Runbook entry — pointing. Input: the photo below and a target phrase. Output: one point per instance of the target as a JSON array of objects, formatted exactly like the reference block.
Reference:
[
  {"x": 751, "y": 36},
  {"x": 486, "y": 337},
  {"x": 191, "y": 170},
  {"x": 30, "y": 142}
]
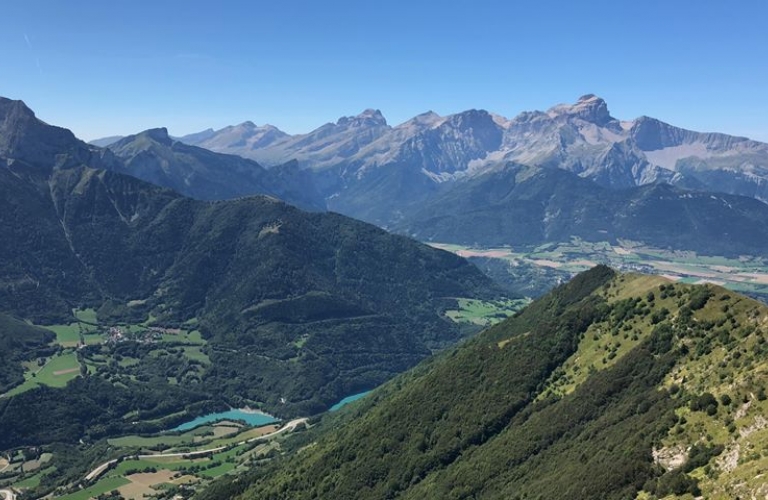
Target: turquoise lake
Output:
[
  {"x": 348, "y": 400},
  {"x": 251, "y": 418}
]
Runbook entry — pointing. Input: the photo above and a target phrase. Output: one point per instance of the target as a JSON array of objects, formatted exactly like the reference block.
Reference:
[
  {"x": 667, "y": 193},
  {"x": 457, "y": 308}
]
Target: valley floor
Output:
[{"x": 745, "y": 274}]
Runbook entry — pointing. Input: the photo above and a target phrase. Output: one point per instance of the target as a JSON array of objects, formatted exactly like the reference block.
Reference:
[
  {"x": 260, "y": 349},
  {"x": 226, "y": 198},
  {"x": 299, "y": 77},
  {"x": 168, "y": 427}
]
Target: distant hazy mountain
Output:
[
  {"x": 196, "y": 172},
  {"x": 582, "y": 138},
  {"x": 327, "y": 146},
  {"x": 105, "y": 141},
  {"x": 523, "y": 205},
  {"x": 236, "y": 139}
]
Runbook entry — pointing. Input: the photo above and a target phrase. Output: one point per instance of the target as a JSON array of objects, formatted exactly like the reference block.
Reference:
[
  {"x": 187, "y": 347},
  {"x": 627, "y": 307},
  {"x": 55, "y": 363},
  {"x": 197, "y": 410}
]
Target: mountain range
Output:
[
  {"x": 478, "y": 178},
  {"x": 611, "y": 386},
  {"x": 298, "y": 309},
  {"x": 582, "y": 138},
  {"x": 199, "y": 173}
]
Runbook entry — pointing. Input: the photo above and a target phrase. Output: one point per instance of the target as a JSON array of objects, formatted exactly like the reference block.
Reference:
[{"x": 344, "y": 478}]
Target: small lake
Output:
[
  {"x": 250, "y": 417},
  {"x": 348, "y": 400}
]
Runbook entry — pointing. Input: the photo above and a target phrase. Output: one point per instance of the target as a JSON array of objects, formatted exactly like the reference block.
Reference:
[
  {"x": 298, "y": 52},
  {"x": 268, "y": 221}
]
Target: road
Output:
[
  {"x": 8, "y": 494},
  {"x": 290, "y": 426},
  {"x": 183, "y": 454},
  {"x": 101, "y": 469}
]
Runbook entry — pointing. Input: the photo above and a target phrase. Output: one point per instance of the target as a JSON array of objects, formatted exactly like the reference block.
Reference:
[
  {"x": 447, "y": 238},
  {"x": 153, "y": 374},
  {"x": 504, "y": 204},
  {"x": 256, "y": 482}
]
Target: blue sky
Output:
[{"x": 102, "y": 67}]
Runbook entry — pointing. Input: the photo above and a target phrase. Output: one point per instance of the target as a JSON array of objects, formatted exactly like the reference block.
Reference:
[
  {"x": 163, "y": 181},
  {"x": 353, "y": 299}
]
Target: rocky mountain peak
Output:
[
  {"x": 471, "y": 118},
  {"x": 12, "y": 109},
  {"x": 423, "y": 121},
  {"x": 368, "y": 118},
  {"x": 22, "y": 135},
  {"x": 249, "y": 129},
  {"x": 159, "y": 134},
  {"x": 427, "y": 117},
  {"x": 589, "y": 108},
  {"x": 15, "y": 119}
]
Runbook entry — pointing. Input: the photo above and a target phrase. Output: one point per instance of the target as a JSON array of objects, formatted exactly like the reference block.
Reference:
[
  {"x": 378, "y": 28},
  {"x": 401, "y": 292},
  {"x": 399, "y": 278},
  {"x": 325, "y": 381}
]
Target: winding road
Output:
[{"x": 101, "y": 469}]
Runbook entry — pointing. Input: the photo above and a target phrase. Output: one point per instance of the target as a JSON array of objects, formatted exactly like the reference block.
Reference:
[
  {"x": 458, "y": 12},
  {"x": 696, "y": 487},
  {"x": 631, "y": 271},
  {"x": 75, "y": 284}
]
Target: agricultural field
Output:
[
  {"x": 86, "y": 316},
  {"x": 119, "y": 353},
  {"x": 205, "y": 434},
  {"x": 75, "y": 334},
  {"x": 154, "y": 465},
  {"x": 141, "y": 476},
  {"x": 55, "y": 371},
  {"x": 116, "y": 351},
  {"x": 485, "y": 313},
  {"x": 746, "y": 274},
  {"x": 105, "y": 486}
]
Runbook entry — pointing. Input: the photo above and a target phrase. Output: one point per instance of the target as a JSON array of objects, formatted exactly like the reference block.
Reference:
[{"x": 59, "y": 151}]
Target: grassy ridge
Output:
[{"x": 631, "y": 386}]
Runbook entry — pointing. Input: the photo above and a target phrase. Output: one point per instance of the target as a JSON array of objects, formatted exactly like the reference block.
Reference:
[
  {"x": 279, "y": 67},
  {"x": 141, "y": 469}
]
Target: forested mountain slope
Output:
[
  {"x": 610, "y": 386},
  {"x": 297, "y": 309},
  {"x": 520, "y": 205}
]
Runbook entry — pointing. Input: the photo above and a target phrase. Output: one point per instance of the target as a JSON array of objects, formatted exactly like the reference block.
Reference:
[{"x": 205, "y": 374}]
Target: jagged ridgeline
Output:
[
  {"x": 398, "y": 175},
  {"x": 296, "y": 310},
  {"x": 612, "y": 386}
]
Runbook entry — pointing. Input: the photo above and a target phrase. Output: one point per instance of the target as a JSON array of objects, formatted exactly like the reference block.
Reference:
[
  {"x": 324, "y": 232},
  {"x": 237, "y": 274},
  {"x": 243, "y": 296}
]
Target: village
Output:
[{"x": 116, "y": 335}]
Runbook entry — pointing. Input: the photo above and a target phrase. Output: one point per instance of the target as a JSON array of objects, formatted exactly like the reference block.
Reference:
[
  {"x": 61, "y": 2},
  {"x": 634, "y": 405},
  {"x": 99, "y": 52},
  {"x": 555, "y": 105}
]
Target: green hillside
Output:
[
  {"x": 612, "y": 386},
  {"x": 295, "y": 310}
]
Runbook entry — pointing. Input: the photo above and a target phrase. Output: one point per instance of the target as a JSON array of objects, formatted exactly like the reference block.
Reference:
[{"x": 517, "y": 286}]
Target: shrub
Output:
[{"x": 704, "y": 402}]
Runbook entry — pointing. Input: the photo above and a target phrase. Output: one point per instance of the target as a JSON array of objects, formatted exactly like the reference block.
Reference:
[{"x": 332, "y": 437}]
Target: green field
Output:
[
  {"x": 86, "y": 315},
  {"x": 196, "y": 354},
  {"x": 56, "y": 372},
  {"x": 205, "y": 468},
  {"x": 219, "y": 470},
  {"x": 484, "y": 313},
  {"x": 158, "y": 349},
  {"x": 93, "y": 338},
  {"x": 66, "y": 335},
  {"x": 186, "y": 337},
  {"x": 69, "y": 335},
  {"x": 30, "y": 482},
  {"x": 179, "y": 463},
  {"x": 195, "y": 437},
  {"x": 190, "y": 437},
  {"x": 141, "y": 464},
  {"x": 104, "y": 486}
]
